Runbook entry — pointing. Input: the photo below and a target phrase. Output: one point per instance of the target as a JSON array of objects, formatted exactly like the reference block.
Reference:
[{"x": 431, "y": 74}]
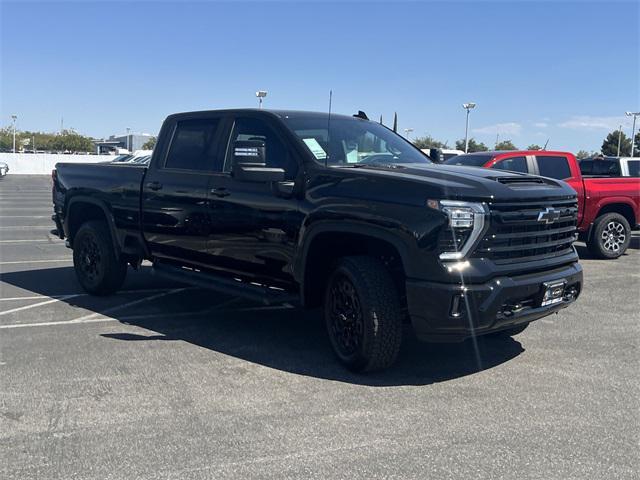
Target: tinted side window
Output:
[
  {"x": 193, "y": 146},
  {"x": 586, "y": 167},
  {"x": 276, "y": 152},
  {"x": 469, "y": 160},
  {"x": 634, "y": 168},
  {"x": 513, "y": 164},
  {"x": 553, "y": 167},
  {"x": 608, "y": 168}
]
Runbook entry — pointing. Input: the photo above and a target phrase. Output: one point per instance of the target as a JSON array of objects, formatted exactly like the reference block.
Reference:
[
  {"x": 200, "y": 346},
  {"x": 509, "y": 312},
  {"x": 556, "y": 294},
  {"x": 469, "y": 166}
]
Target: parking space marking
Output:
[
  {"x": 34, "y": 240},
  {"x": 39, "y": 304},
  {"x": 121, "y": 292},
  {"x": 96, "y": 316},
  {"x": 18, "y": 262},
  {"x": 28, "y": 227},
  {"x": 26, "y": 216}
]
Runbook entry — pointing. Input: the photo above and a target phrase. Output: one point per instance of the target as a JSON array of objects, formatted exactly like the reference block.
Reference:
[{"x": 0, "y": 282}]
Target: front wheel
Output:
[
  {"x": 97, "y": 267},
  {"x": 362, "y": 314},
  {"x": 611, "y": 236}
]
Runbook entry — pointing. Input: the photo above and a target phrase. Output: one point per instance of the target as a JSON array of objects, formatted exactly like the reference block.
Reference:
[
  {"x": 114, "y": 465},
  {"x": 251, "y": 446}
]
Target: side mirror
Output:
[{"x": 249, "y": 163}]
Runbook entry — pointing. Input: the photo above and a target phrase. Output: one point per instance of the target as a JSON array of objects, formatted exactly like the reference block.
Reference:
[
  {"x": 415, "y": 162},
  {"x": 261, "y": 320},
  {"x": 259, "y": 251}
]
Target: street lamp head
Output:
[
  {"x": 468, "y": 106},
  {"x": 261, "y": 93},
  {"x": 14, "y": 116},
  {"x": 632, "y": 114}
]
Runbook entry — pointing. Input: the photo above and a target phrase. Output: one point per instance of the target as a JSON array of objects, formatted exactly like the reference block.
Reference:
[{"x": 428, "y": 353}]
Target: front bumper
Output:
[{"x": 453, "y": 312}]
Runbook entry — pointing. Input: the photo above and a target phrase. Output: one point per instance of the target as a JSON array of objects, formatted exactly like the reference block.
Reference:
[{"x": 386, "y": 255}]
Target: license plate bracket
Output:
[{"x": 553, "y": 292}]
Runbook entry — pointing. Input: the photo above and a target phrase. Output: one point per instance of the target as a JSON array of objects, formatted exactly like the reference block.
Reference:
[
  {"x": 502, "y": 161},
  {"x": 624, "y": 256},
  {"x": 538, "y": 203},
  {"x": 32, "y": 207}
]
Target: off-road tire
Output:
[
  {"x": 610, "y": 236},
  {"x": 94, "y": 259},
  {"x": 378, "y": 304}
]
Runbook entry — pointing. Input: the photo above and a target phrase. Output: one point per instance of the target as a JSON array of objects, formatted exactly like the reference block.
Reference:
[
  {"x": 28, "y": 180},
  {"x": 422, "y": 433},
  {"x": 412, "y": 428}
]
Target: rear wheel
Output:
[
  {"x": 611, "y": 236},
  {"x": 94, "y": 259},
  {"x": 509, "y": 332},
  {"x": 362, "y": 314}
]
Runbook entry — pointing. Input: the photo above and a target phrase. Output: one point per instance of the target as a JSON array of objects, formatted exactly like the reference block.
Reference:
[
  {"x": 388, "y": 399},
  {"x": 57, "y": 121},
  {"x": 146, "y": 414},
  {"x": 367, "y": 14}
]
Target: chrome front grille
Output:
[{"x": 519, "y": 232}]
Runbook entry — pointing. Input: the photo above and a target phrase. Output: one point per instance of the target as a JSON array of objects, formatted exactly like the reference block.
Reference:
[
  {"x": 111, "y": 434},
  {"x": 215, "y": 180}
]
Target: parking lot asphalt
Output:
[{"x": 166, "y": 381}]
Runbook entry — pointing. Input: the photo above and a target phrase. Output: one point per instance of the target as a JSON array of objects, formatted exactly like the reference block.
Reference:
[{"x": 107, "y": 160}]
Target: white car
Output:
[
  {"x": 630, "y": 166},
  {"x": 4, "y": 169}
]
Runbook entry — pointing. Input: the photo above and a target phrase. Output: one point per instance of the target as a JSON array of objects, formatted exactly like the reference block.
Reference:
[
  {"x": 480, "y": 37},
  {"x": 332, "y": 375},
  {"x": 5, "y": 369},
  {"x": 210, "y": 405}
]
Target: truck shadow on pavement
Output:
[{"x": 286, "y": 339}]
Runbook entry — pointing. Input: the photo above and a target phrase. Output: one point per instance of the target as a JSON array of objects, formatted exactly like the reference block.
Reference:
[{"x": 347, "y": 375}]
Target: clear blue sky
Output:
[{"x": 537, "y": 70}]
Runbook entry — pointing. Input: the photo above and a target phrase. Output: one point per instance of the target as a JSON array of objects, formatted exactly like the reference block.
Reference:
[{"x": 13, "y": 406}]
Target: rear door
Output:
[{"x": 175, "y": 212}]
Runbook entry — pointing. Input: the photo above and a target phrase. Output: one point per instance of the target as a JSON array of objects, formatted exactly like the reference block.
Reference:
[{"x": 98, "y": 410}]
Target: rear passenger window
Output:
[
  {"x": 553, "y": 167},
  {"x": 606, "y": 168},
  {"x": 513, "y": 164},
  {"x": 586, "y": 167},
  {"x": 193, "y": 146},
  {"x": 634, "y": 168}
]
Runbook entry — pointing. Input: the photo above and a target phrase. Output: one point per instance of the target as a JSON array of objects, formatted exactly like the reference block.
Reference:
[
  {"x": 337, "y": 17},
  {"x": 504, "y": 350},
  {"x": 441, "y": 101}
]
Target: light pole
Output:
[
  {"x": 407, "y": 132},
  {"x": 128, "y": 148},
  {"x": 14, "y": 117},
  {"x": 468, "y": 107},
  {"x": 261, "y": 94},
  {"x": 633, "y": 129},
  {"x": 619, "y": 139}
]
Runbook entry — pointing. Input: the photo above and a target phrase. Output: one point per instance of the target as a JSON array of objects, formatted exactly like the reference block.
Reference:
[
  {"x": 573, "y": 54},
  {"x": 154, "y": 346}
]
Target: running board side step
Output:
[{"x": 228, "y": 286}]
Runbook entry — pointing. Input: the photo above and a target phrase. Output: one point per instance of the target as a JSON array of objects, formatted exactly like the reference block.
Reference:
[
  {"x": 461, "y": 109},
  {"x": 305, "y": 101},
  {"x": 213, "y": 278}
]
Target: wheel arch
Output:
[
  {"x": 81, "y": 209},
  {"x": 326, "y": 243}
]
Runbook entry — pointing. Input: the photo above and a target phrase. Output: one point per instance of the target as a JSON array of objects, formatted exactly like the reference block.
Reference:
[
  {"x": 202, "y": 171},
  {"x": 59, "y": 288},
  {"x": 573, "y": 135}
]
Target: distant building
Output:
[{"x": 131, "y": 142}]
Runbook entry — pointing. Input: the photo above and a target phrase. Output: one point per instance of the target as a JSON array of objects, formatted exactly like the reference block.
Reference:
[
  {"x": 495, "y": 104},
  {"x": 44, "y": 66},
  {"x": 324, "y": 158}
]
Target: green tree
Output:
[
  {"x": 428, "y": 142},
  {"x": 505, "y": 145},
  {"x": 149, "y": 144},
  {"x": 636, "y": 146},
  {"x": 534, "y": 146},
  {"x": 585, "y": 154},
  {"x": 473, "y": 146},
  {"x": 610, "y": 144}
]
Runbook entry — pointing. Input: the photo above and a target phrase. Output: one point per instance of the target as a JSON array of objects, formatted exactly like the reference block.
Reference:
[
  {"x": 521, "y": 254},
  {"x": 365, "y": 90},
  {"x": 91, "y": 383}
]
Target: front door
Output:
[
  {"x": 255, "y": 224},
  {"x": 175, "y": 209}
]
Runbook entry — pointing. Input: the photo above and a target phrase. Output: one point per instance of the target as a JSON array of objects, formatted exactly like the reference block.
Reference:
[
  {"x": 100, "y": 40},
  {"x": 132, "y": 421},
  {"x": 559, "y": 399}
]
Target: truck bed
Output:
[{"x": 116, "y": 187}]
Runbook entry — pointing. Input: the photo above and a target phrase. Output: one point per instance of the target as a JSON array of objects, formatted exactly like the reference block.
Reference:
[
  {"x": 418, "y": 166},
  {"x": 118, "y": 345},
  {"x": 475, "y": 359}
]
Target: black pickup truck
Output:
[{"x": 327, "y": 210}]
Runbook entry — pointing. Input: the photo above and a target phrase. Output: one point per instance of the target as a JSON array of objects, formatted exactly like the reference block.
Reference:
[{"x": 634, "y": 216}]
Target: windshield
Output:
[
  {"x": 468, "y": 160},
  {"x": 353, "y": 142}
]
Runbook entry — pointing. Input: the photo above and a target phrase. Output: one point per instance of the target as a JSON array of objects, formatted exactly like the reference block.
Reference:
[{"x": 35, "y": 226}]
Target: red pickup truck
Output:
[{"x": 608, "y": 207}]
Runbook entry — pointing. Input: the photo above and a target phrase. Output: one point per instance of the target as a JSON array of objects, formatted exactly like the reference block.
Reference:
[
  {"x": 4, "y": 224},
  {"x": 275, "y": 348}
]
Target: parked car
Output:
[
  {"x": 4, "y": 169},
  {"x": 609, "y": 207},
  {"x": 274, "y": 206},
  {"x": 610, "y": 166}
]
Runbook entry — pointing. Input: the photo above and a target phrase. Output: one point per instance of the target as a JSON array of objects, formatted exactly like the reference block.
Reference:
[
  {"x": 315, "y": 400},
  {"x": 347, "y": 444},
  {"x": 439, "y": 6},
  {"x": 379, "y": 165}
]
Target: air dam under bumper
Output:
[{"x": 451, "y": 312}]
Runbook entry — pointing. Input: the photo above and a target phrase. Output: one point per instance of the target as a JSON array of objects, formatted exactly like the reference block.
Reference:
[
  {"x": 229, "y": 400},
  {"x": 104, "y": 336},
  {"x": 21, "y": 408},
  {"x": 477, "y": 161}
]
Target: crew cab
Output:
[
  {"x": 608, "y": 206},
  {"x": 333, "y": 211}
]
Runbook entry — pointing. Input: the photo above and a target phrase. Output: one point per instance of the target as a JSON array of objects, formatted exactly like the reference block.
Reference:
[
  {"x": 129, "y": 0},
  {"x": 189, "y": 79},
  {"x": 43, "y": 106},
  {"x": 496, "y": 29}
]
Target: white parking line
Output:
[
  {"x": 20, "y": 262},
  {"x": 27, "y": 307},
  {"x": 26, "y": 216},
  {"x": 28, "y": 227},
  {"x": 121, "y": 292},
  {"x": 94, "y": 317},
  {"x": 35, "y": 240}
]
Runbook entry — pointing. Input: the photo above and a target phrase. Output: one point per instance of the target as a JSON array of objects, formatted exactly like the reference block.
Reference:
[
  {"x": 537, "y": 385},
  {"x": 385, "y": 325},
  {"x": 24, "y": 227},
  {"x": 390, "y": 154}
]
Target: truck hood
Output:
[{"x": 474, "y": 183}]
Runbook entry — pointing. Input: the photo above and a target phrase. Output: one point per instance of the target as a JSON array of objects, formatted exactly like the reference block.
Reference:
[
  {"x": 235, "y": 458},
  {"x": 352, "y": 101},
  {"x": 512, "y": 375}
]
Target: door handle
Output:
[
  {"x": 154, "y": 185},
  {"x": 220, "y": 192}
]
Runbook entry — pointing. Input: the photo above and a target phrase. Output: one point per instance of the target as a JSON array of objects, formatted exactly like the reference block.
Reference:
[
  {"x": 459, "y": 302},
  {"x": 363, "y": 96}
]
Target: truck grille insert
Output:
[{"x": 524, "y": 232}]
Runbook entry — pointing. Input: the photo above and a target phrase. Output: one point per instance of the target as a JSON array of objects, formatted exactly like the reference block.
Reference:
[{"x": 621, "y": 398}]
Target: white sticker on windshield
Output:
[{"x": 315, "y": 148}]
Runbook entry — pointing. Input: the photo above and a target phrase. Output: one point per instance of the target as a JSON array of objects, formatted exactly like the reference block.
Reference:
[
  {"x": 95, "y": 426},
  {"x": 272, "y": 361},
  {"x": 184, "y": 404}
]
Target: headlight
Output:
[{"x": 466, "y": 225}]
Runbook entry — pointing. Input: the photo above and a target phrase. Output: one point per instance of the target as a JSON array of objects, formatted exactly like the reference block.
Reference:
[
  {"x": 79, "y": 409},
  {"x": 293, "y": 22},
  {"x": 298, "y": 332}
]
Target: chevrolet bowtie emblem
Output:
[{"x": 549, "y": 215}]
